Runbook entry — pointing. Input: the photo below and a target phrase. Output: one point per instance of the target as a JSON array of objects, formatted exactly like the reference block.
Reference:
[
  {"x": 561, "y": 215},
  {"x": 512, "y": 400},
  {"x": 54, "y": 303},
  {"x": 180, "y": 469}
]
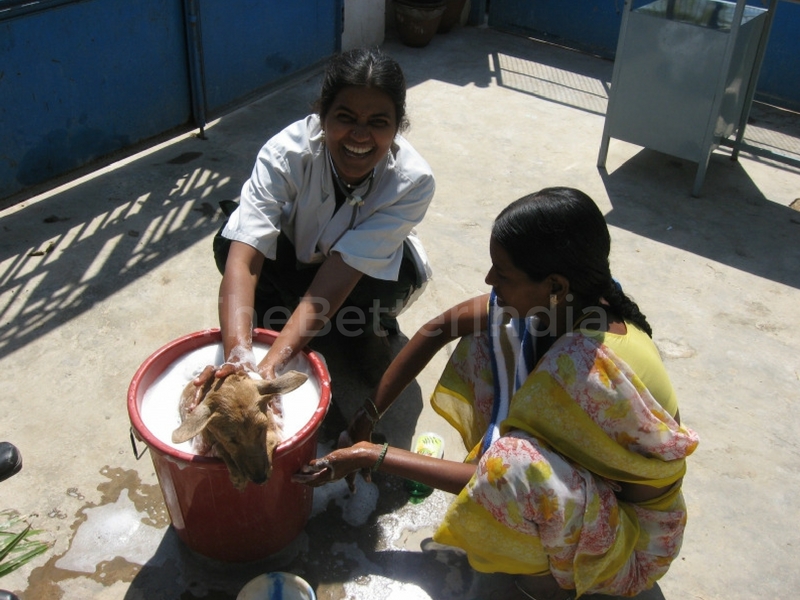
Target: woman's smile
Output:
[{"x": 358, "y": 151}]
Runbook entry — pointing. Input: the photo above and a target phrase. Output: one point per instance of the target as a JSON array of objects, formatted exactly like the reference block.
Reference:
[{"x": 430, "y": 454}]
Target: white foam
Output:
[
  {"x": 159, "y": 409},
  {"x": 111, "y": 531}
]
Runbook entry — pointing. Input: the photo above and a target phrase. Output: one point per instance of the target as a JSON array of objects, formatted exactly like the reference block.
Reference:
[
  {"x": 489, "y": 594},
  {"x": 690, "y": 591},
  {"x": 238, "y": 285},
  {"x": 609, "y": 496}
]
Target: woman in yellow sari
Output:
[{"x": 574, "y": 477}]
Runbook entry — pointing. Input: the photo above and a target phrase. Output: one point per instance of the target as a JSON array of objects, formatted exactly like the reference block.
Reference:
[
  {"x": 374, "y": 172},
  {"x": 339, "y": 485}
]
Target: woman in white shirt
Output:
[{"x": 325, "y": 222}]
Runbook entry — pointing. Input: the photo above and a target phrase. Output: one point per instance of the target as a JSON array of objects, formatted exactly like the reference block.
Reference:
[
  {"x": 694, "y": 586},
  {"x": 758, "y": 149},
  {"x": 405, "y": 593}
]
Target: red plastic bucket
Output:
[{"x": 211, "y": 516}]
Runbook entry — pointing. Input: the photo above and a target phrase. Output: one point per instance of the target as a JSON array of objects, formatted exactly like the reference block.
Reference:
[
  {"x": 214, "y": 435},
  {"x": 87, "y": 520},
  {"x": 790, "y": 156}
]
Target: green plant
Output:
[{"x": 17, "y": 548}]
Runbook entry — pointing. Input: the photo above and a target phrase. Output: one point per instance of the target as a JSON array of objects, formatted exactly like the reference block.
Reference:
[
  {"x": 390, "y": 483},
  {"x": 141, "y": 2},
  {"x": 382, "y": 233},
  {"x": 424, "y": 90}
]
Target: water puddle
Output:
[
  {"x": 111, "y": 541},
  {"x": 111, "y": 531}
]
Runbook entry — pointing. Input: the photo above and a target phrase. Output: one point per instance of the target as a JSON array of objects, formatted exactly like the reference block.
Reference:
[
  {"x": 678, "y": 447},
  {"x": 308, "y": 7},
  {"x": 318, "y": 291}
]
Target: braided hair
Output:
[{"x": 561, "y": 230}]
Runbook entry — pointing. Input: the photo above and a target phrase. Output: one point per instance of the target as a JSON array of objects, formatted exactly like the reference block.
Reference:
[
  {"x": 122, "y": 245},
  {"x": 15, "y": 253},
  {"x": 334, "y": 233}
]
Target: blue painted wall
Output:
[
  {"x": 78, "y": 82},
  {"x": 779, "y": 82},
  {"x": 263, "y": 41},
  {"x": 593, "y": 26},
  {"x": 81, "y": 80}
]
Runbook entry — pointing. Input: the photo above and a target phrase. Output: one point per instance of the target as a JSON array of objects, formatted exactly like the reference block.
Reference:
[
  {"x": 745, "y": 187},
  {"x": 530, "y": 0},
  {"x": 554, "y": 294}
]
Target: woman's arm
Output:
[
  {"x": 236, "y": 298},
  {"x": 464, "y": 318},
  {"x": 446, "y": 475},
  {"x": 330, "y": 287},
  {"x": 236, "y": 301},
  {"x": 467, "y": 317}
]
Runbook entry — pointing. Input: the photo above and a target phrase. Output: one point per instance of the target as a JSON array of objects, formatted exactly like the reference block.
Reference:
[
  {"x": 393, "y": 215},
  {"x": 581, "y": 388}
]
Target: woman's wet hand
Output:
[
  {"x": 202, "y": 382},
  {"x": 359, "y": 430},
  {"x": 316, "y": 473},
  {"x": 338, "y": 464},
  {"x": 233, "y": 365},
  {"x": 267, "y": 371}
]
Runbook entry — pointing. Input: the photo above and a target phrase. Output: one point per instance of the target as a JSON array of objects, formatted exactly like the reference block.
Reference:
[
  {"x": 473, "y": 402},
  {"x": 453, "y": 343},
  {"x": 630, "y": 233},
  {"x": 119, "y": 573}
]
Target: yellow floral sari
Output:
[{"x": 543, "y": 497}]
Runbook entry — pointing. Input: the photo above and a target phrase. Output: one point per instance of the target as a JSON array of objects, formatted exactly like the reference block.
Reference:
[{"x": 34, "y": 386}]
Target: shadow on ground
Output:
[{"x": 732, "y": 223}]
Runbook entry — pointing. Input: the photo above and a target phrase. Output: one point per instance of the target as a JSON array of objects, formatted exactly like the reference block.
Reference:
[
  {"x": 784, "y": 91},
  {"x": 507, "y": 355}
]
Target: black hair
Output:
[
  {"x": 364, "y": 67},
  {"x": 560, "y": 230}
]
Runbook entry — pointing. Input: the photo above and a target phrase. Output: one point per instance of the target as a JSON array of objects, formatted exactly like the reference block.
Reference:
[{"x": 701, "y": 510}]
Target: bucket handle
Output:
[{"x": 136, "y": 452}]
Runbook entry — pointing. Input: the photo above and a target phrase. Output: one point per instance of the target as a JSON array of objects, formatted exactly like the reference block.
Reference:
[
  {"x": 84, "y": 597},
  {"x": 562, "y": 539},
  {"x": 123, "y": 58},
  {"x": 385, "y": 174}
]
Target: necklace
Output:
[{"x": 348, "y": 189}]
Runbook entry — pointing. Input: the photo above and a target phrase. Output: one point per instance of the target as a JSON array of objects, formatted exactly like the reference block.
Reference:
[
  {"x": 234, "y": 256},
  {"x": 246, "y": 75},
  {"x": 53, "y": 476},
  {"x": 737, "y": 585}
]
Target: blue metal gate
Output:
[{"x": 82, "y": 80}]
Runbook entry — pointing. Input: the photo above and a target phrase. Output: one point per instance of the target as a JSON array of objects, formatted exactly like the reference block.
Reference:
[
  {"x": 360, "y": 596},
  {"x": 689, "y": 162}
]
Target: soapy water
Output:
[
  {"x": 110, "y": 532},
  {"x": 356, "y": 507},
  {"x": 159, "y": 410}
]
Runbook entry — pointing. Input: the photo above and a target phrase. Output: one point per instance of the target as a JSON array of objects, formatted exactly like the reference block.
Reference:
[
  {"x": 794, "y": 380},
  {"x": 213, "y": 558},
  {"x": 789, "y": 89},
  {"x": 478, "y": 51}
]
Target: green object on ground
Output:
[
  {"x": 16, "y": 549},
  {"x": 428, "y": 444}
]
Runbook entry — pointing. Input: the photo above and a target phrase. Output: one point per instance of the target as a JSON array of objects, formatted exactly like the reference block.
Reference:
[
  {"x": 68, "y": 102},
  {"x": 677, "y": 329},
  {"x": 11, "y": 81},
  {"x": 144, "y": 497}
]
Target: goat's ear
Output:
[
  {"x": 193, "y": 424},
  {"x": 287, "y": 382}
]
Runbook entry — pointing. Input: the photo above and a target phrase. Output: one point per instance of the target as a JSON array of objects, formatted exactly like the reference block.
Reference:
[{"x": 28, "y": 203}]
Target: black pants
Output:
[{"x": 372, "y": 305}]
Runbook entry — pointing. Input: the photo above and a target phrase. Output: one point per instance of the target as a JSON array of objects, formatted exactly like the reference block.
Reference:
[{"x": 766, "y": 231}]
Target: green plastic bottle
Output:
[{"x": 429, "y": 444}]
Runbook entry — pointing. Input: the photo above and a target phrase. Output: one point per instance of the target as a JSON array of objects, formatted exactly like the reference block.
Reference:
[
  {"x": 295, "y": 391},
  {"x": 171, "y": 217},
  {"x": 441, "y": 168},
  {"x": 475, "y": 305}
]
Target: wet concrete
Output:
[{"x": 98, "y": 273}]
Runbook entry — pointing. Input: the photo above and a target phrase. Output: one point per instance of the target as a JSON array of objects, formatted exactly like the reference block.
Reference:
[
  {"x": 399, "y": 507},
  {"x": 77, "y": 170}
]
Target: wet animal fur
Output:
[{"x": 239, "y": 420}]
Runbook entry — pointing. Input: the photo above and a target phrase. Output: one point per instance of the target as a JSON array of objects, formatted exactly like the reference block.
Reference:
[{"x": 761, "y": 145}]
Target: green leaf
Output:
[
  {"x": 16, "y": 549},
  {"x": 9, "y": 566},
  {"x": 5, "y": 550}
]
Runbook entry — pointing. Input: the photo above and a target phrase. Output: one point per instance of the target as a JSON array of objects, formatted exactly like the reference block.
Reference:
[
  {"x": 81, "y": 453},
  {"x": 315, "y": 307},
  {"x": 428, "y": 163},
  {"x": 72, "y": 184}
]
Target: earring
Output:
[{"x": 553, "y": 301}]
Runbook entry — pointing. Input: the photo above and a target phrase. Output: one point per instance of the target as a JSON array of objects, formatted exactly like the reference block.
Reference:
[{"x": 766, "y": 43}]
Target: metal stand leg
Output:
[
  {"x": 700, "y": 176},
  {"x": 710, "y": 139},
  {"x": 601, "y": 158},
  {"x": 751, "y": 87}
]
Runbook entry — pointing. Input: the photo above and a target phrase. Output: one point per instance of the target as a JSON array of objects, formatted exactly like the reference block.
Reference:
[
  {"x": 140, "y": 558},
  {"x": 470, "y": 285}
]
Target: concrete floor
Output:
[{"x": 99, "y": 273}]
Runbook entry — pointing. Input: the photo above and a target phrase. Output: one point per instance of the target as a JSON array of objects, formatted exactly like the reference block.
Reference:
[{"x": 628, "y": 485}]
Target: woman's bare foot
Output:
[{"x": 542, "y": 587}]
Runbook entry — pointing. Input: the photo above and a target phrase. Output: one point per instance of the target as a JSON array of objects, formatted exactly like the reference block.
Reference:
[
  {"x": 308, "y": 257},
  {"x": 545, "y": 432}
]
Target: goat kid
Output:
[{"x": 239, "y": 419}]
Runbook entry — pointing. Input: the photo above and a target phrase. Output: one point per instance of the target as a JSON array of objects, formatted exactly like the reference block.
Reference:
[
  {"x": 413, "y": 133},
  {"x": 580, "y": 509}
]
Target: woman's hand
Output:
[
  {"x": 202, "y": 381},
  {"x": 447, "y": 475},
  {"x": 202, "y": 384},
  {"x": 274, "y": 362},
  {"x": 338, "y": 464},
  {"x": 359, "y": 430}
]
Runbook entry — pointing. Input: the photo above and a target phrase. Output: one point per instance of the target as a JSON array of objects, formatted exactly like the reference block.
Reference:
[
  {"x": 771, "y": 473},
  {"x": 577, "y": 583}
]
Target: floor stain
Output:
[
  {"x": 675, "y": 349},
  {"x": 111, "y": 540}
]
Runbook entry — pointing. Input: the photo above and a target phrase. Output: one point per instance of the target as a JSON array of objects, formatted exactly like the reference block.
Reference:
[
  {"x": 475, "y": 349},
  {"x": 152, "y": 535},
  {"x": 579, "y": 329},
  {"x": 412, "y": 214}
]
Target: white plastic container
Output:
[{"x": 277, "y": 586}]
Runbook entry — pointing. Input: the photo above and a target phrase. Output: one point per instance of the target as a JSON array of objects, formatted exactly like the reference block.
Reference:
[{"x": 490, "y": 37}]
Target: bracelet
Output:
[
  {"x": 378, "y": 413},
  {"x": 381, "y": 456},
  {"x": 362, "y": 410}
]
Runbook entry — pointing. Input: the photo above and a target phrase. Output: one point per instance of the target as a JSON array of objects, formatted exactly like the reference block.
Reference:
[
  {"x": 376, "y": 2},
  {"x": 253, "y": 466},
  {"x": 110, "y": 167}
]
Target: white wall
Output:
[{"x": 364, "y": 23}]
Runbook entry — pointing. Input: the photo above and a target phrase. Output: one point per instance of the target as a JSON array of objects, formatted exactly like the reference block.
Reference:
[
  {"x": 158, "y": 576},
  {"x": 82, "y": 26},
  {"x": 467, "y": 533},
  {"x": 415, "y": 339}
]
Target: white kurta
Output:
[{"x": 291, "y": 190}]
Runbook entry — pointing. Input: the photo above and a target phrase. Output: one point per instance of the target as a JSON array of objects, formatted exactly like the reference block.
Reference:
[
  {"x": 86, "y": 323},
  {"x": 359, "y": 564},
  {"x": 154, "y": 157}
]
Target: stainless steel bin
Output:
[{"x": 681, "y": 76}]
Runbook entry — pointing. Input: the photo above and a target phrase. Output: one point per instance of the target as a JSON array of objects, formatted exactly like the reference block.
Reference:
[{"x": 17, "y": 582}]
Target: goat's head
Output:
[{"x": 236, "y": 417}]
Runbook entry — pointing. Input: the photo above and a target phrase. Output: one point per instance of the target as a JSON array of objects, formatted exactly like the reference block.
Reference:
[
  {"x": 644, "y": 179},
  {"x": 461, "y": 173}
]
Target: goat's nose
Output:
[{"x": 260, "y": 478}]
